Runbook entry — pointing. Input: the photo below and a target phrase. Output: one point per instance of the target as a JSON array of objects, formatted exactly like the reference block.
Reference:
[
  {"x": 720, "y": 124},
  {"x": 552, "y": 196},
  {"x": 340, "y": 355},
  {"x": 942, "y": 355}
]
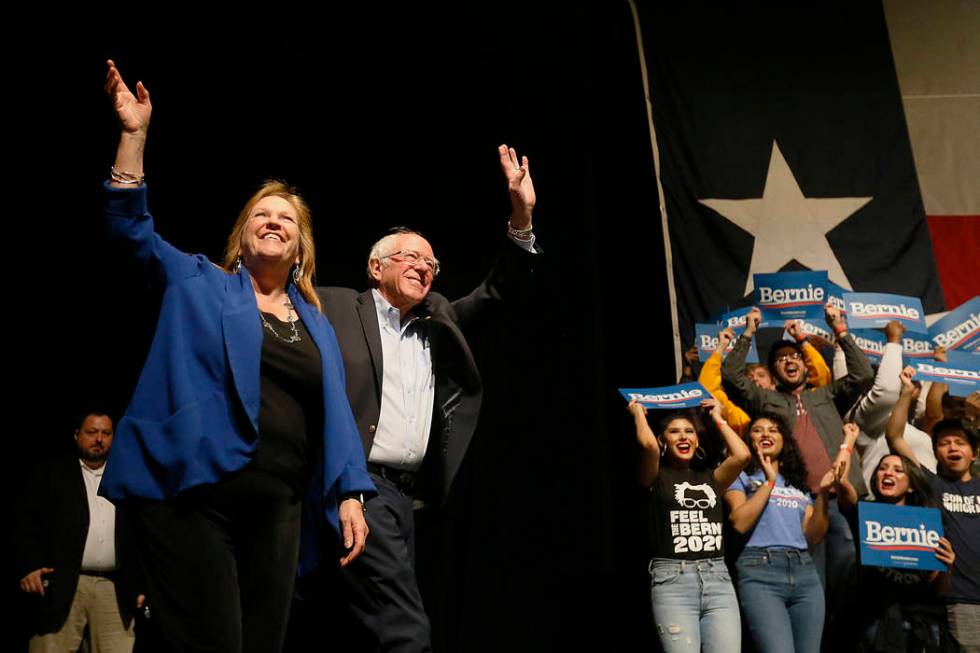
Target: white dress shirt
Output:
[
  {"x": 407, "y": 385},
  {"x": 407, "y": 390},
  {"x": 100, "y": 543}
]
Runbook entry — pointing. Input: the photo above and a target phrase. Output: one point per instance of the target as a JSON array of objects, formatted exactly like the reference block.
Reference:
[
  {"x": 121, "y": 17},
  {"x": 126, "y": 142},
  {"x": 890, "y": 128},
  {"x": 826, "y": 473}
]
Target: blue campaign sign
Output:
[
  {"x": 871, "y": 342},
  {"x": 962, "y": 389},
  {"x": 685, "y": 395},
  {"x": 960, "y": 328},
  {"x": 835, "y": 295},
  {"x": 706, "y": 338},
  {"x": 812, "y": 328},
  {"x": 873, "y": 310},
  {"x": 960, "y": 369},
  {"x": 916, "y": 347},
  {"x": 790, "y": 295},
  {"x": 735, "y": 319},
  {"x": 899, "y": 536}
]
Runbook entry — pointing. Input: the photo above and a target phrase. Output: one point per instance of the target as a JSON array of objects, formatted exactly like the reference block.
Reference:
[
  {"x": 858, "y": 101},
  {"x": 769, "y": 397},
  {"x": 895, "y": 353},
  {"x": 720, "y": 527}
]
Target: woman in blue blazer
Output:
[{"x": 239, "y": 427}]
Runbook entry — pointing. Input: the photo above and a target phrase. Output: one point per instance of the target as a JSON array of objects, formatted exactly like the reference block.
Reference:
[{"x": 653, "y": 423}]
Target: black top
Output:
[
  {"x": 960, "y": 503},
  {"x": 686, "y": 515},
  {"x": 290, "y": 405},
  {"x": 903, "y": 602}
]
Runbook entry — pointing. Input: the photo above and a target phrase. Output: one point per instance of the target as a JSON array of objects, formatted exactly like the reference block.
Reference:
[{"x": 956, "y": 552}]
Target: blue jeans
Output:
[
  {"x": 694, "y": 605},
  {"x": 835, "y": 558},
  {"x": 782, "y": 598}
]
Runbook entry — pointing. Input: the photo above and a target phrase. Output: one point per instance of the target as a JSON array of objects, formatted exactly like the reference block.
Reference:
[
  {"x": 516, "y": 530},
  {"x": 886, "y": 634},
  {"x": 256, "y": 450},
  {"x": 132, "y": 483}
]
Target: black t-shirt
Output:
[
  {"x": 290, "y": 405},
  {"x": 960, "y": 503},
  {"x": 686, "y": 514}
]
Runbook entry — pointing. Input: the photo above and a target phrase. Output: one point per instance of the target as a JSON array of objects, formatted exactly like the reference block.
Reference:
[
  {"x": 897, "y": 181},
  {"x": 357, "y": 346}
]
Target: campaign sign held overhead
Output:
[
  {"x": 959, "y": 329},
  {"x": 706, "y": 337},
  {"x": 685, "y": 395},
  {"x": 835, "y": 295},
  {"x": 734, "y": 319},
  {"x": 873, "y": 310},
  {"x": 959, "y": 369},
  {"x": 871, "y": 342},
  {"x": 812, "y": 328},
  {"x": 916, "y": 347},
  {"x": 899, "y": 536},
  {"x": 785, "y": 296}
]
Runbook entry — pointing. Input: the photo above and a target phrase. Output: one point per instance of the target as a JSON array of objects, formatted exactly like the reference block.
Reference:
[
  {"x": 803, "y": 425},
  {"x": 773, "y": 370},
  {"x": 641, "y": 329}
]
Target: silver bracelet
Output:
[
  {"x": 520, "y": 234},
  {"x": 123, "y": 177}
]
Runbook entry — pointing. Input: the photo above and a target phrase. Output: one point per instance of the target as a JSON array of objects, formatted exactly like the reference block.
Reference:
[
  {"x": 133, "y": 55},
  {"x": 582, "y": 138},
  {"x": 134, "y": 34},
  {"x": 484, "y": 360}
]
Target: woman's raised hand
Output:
[{"x": 133, "y": 111}]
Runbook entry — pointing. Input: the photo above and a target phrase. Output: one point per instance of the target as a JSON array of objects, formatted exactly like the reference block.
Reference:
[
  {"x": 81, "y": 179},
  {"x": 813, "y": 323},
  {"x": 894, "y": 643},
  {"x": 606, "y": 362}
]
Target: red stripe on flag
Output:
[{"x": 956, "y": 247}]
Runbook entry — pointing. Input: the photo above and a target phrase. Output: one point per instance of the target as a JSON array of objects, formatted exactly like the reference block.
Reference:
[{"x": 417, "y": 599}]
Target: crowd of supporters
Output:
[{"x": 803, "y": 440}]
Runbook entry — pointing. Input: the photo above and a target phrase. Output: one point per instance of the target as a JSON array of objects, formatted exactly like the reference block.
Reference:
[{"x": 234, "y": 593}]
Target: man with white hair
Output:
[{"x": 415, "y": 391}]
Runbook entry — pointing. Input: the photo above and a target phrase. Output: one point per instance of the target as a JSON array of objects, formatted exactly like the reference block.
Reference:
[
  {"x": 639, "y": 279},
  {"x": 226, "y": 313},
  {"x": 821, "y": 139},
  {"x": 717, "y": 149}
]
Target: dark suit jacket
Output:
[
  {"x": 458, "y": 391},
  {"x": 52, "y": 532}
]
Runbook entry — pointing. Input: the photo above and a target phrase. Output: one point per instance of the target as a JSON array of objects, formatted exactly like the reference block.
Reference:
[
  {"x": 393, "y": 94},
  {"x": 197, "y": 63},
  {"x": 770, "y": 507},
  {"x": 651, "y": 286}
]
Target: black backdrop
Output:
[{"x": 385, "y": 118}]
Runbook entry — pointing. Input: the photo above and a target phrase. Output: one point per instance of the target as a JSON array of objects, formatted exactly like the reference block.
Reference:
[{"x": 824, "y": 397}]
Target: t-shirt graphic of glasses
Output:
[{"x": 683, "y": 495}]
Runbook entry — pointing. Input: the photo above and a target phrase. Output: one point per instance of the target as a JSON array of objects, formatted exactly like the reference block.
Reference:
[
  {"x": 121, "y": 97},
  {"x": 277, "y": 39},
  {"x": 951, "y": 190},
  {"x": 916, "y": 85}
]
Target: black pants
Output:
[
  {"x": 375, "y": 603},
  {"x": 220, "y": 562}
]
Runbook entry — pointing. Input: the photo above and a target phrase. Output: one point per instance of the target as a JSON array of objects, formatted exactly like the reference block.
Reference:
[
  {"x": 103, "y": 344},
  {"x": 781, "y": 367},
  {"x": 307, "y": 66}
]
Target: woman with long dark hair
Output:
[
  {"x": 694, "y": 603},
  {"x": 780, "y": 591},
  {"x": 899, "y": 609}
]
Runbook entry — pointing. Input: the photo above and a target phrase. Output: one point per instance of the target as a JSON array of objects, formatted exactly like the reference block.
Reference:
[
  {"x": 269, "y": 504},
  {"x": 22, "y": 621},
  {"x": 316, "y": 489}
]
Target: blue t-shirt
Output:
[{"x": 781, "y": 523}]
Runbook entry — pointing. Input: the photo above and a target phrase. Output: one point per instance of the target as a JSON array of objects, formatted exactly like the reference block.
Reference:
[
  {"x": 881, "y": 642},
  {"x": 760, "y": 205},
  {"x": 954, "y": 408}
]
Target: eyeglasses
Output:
[
  {"x": 689, "y": 502},
  {"x": 412, "y": 258},
  {"x": 795, "y": 356}
]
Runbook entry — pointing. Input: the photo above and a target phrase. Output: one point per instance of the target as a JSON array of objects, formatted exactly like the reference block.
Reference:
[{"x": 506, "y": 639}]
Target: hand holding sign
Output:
[
  {"x": 894, "y": 331},
  {"x": 752, "y": 321},
  {"x": 939, "y": 354},
  {"x": 713, "y": 406},
  {"x": 908, "y": 387},
  {"x": 945, "y": 553},
  {"x": 795, "y": 329},
  {"x": 637, "y": 409},
  {"x": 725, "y": 337},
  {"x": 972, "y": 406},
  {"x": 832, "y": 315}
]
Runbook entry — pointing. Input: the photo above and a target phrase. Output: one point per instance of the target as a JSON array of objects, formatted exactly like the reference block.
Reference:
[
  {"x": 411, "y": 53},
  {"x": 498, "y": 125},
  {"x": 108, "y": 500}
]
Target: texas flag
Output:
[
  {"x": 936, "y": 49},
  {"x": 780, "y": 142}
]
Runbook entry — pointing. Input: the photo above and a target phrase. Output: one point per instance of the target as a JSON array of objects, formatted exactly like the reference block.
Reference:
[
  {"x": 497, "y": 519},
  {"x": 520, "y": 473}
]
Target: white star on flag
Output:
[{"x": 786, "y": 225}]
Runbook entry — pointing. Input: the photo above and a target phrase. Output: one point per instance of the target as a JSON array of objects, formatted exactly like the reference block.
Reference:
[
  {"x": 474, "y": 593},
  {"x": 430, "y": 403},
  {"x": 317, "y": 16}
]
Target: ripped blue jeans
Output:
[{"x": 694, "y": 606}]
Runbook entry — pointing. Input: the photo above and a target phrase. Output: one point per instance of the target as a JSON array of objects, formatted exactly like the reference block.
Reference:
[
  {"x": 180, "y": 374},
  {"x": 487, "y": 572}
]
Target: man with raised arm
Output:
[
  {"x": 416, "y": 392},
  {"x": 958, "y": 492},
  {"x": 813, "y": 415},
  {"x": 817, "y": 372}
]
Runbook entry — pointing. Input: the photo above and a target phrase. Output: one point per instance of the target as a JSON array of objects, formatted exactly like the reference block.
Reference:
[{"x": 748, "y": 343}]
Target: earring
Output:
[
  {"x": 236, "y": 268},
  {"x": 296, "y": 273},
  {"x": 699, "y": 453}
]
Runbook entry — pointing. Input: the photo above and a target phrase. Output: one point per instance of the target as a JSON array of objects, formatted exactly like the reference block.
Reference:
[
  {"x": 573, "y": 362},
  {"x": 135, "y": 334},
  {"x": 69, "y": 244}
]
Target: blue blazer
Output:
[{"x": 181, "y": 428}]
